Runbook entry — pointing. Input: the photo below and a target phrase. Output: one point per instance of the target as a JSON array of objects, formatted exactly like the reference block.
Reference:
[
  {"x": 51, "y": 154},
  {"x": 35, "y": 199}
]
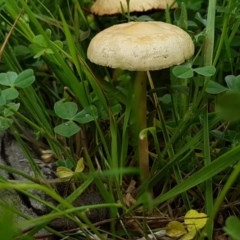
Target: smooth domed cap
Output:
[
  {"x": 108, "y": 7},
  {"x": 141, "y": 46}
]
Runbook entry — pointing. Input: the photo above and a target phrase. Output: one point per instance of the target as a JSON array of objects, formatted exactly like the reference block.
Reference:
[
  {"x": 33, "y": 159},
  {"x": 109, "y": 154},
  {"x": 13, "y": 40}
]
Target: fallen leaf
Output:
[
  {"x": 195, "y": 220},
  {"x": 80, "y": 166},
  {"x": 175, "y": 229},
  {"x": 189, "y": 235},
  {"x": 64, "y": 172},
  {"x": 129, "y": 200},
  {"x": 47, "y": 155},
  {"x": 132, "y": 186}
]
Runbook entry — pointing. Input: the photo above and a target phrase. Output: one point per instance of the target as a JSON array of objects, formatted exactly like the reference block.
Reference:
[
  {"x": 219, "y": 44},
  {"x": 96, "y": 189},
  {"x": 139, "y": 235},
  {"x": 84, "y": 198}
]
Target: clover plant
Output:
[{"x": 11, "y": 84}]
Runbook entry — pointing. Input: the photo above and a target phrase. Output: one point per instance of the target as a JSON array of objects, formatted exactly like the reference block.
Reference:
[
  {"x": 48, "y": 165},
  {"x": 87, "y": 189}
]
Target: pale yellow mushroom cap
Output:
[
  {"x": 141, "y": 46},
  {"x": 108, "y": 7}
]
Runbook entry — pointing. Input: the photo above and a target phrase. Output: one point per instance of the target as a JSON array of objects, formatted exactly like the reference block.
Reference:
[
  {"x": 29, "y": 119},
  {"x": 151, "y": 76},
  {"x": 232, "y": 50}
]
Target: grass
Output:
[{"x": 193, "y": 144}]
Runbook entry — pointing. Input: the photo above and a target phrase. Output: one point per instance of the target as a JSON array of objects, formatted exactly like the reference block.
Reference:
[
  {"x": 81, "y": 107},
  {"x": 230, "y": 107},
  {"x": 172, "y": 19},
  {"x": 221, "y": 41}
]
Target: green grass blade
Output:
[{"x": 207, "y": 172}]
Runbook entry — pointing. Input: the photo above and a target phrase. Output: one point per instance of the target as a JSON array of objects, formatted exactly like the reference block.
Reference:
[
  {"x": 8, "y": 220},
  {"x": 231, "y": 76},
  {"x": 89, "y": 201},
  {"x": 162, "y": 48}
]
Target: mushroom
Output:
[
  {"x": 141, "y": 47},
  {"x": 106, "y": 7}
]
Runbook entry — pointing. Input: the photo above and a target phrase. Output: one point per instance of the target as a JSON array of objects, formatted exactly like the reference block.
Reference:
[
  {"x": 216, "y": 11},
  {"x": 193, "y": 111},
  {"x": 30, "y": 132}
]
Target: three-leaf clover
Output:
[
  {"x": 68, "y": 111},
  {"x": 10, "y": 83}
]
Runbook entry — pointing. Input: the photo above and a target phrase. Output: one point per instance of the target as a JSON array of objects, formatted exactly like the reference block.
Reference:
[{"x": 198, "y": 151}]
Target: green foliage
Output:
[
  {"x": 52, "y": 96},
  {"x": 188, "y": 72},
  {"x": 232, "y": 227},
  {"x": 14, "y": 80},
  {"x": 232, "y": 82},
  {"x": 65, "y": 110},
  {"x": 228, "y": 106},
  {"x": 40, "y": 45},
  {"x": 227, "y": 102},
  {"x": 11, "y": 83},
  {"x": 183, "y": 71},
  {"x": 8, "y": 227},
  {"x": 69, "y": 111},
  {"x": 215, "y": 88}
]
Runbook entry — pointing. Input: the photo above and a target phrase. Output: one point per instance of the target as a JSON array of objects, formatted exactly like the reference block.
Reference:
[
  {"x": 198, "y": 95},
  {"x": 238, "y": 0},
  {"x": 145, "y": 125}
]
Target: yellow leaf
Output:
[
  {"x": 80, "y": 166},
  {"x": 190, "y": 235},
  {"x": 64, "y": 172},
  {"x": 195, "y": 220},
  {"x": 175, "y": 229}
]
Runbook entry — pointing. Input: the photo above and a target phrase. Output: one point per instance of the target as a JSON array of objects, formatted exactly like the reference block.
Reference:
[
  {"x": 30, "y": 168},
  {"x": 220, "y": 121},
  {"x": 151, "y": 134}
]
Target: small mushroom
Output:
[
  {"x": 106, "y": 7},
  {"x": 141, "y": 47}
]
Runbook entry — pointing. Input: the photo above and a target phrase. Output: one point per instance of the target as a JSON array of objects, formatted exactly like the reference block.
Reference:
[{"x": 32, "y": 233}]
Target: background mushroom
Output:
[
  {"x": 141, "y": 46},
  {"x": 106, "y": 7}
]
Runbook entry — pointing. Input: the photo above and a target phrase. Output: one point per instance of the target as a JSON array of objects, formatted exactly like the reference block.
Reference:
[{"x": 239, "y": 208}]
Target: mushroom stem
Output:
[{"x": 139, "y": 106}]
